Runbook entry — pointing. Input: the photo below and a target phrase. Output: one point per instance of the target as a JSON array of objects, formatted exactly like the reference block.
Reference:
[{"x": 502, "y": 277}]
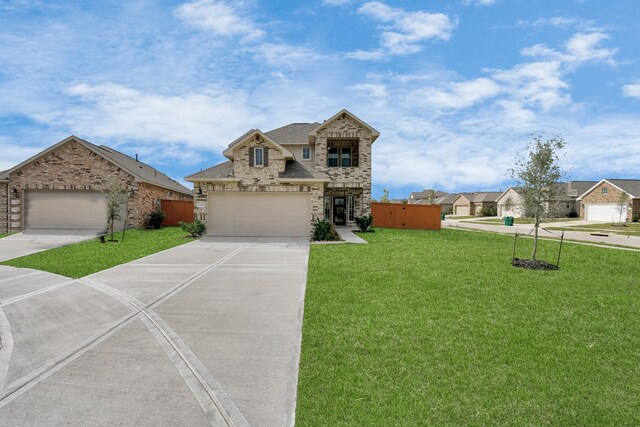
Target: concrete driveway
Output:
[
  {"x": 207, "y": 333},
  {"x": 32, "y": 241}
]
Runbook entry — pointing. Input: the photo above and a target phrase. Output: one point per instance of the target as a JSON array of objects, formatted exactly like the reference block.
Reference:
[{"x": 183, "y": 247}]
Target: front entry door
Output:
[{"x": 339, "y": 211}]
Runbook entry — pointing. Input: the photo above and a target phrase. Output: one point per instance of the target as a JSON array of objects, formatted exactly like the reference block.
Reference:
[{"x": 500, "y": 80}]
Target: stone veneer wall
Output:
[
  {"x": 258, "y": 176},
  {"x": 75, "y": 167},
  {"x": 596, "y": 196},
  {"x": 345, "y": 127},
  {"x": 4, "y": 205}
]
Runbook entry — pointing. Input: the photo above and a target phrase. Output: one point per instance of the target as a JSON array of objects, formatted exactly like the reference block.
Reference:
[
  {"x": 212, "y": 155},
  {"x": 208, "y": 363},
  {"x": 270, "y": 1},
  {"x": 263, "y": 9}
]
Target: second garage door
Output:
[
  {"x": 604, "y": 212},
  {"x": 65, "y": 210},
  {"x": 258, "y": 214}
]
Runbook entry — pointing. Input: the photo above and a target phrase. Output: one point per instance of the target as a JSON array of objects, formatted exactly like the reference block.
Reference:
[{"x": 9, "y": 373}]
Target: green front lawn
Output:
[
  {"x": 631, "y": 229},
  {"x": 3, "y": 235},
  {"x": 436, "y": 328},
  {"x": 82, "y": 259}
]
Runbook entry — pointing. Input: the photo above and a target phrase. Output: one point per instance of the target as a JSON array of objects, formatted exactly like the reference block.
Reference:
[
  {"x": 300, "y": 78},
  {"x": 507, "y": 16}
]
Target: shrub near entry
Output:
[
  {"x": 364, "y": 222},
  {"x": 323, "y": 230}
]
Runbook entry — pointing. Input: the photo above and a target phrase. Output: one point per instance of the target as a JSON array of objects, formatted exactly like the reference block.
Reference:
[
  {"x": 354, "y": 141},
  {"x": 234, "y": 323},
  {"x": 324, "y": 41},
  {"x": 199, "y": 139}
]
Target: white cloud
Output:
[
  {"x": 208, "y": 120},
  {"x": 631, "y": 90},
  {"x": 402, "y": 31},
  {"x": 285, "y": 55},
  {"x": 220, "y": 18},
  {"x": 580, "y": 48},
  {"x": 336, "y": 2},
  {"x": 458, "y": 95}
]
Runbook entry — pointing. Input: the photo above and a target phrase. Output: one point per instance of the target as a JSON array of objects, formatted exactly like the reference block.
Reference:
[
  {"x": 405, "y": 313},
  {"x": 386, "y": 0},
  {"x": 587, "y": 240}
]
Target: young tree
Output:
[
  {"x": 621, "y": 205},
  {"x": 431, "y": 197},
  {"x": 385, "y": 196},
  {"x": 115, "y": 194},
  {"x": 509, "y": 204},
  {"x": 536, "y": 173}
]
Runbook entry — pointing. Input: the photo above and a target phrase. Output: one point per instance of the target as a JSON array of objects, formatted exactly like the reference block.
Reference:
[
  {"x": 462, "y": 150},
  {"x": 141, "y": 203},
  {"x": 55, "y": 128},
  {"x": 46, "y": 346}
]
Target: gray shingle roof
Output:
[
  {"x": 486, "y": 196},
  {"x": 630, "y": 186},
  {"x": 578, "y": 188},
  {"x": 296, "y": 170},
  {"x": 222, "y": 170},
  {"x": 145, "y": 172},
  {"x": 294, "y": 133},
  {"x": 427, "y": 193},
  {"x": 446, "y": 200}
]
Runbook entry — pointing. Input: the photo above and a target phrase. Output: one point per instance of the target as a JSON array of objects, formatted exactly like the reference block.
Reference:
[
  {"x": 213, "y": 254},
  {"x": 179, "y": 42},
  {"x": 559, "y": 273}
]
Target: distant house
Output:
[
  {"x": 562, "y": 204},
  {"x": 472, "y": 203},
  {"x": 427, "y": 196},
  {"x": 600, "y": 202},
  {"x": 446, "y": 203}
]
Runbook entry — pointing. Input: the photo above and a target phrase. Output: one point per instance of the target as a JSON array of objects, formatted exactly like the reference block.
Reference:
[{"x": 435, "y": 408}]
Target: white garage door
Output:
[
  {"x": 462, "y": 210},
  {"x": 604, "y": 212},
  {"x": 258, "y": 214},
  {"x": 65, "y": 210}
]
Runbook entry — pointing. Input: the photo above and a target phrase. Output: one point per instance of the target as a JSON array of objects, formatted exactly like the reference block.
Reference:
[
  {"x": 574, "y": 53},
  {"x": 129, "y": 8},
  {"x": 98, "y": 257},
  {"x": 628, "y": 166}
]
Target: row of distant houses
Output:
[{"x": 589, "y": 200}]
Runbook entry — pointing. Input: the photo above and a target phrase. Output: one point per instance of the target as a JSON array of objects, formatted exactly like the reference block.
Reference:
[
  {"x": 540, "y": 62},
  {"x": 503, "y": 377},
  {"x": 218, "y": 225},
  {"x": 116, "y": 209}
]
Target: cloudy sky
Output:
[{"x": 456, "y": 87}]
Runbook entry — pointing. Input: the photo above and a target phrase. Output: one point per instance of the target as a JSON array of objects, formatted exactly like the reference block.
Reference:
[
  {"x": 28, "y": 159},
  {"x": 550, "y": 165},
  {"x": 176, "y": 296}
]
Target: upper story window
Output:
[
  {"x": 342, "y": 153},
  {"x": 605, "y": 190},
  {"x": 306, "y": 153},
  {"x": 258, "y": 156}
]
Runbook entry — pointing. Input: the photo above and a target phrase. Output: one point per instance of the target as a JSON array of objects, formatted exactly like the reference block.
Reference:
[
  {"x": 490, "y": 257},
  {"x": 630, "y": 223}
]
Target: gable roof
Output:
[
  {"x": 446, "y": 200},
  {"x": 629, "y": 186},
  {"x": 374, "y": 133},
  {"x": 293, "y": 171},
  {"x": 228, "y": 153},
  {"x": 480, "y": 196},
  {"x": 427, "y": 193},
  {"x": 294, "y": 133},
  {"x": 140, "y": 171},
  {"x": 577, "y": 188}
]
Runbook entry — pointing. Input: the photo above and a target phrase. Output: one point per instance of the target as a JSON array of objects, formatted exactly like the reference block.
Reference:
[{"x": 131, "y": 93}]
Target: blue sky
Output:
[{"x": 455, "y": 87}]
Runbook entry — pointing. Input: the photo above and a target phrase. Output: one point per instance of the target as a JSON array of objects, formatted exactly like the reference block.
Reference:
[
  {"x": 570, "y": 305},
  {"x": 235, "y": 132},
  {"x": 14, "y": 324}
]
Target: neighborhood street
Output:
[{"x": 526, "y": 229}]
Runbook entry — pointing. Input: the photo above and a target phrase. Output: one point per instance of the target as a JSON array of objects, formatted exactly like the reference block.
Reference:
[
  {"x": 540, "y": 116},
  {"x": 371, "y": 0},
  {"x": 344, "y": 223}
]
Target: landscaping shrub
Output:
[
  {"x": 194, "y": 229},
  {"x": 573, "y": 214},
  {"x": 155, "y": 219},
  {"x": 635, "y": 218},
  {"x": 364, "y": 222},
  {"x": 323, "y": 230},
  {"x": 488, "y": 211}
]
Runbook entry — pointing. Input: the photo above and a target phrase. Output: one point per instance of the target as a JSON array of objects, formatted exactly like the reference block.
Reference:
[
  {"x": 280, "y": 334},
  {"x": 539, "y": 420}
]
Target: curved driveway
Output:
[{"x": 207, "y": 333}]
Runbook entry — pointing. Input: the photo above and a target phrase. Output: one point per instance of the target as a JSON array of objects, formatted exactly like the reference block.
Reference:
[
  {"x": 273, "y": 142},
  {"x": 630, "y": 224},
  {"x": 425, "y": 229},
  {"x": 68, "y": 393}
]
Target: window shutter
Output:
[
  {"x": 265, "y": 156},
  {"x": 251, "y": 151}
]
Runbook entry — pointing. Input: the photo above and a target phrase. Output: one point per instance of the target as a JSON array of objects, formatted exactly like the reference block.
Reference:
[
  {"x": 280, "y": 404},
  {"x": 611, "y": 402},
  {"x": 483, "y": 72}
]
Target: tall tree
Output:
[{"x": 536, "y": 172}]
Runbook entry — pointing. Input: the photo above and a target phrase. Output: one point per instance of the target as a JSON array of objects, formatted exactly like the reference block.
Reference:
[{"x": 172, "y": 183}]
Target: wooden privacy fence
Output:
[
  {"x": 176, "y": 211},
  {"x": 397, "y": 215}
]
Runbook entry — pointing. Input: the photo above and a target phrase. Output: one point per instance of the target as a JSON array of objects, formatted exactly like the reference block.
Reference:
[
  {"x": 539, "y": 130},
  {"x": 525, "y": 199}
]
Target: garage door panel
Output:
[
  {"x": 463, "y": 210},
  {"x": 65, "y": 210},
  {"x": 604, "y": 212},
  {"x": 258, "y": 214}
]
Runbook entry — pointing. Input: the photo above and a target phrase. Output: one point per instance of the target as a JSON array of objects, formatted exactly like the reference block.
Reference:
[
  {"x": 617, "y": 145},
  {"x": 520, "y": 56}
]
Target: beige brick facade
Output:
[
  {"x": 611, "y": 196},
  {"x": 73, "y": 166},
  {"x": 4, "y": 206}
]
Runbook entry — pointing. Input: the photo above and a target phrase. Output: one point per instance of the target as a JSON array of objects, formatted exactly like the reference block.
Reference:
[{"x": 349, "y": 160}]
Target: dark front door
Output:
[{"x": 339, "y": 211}]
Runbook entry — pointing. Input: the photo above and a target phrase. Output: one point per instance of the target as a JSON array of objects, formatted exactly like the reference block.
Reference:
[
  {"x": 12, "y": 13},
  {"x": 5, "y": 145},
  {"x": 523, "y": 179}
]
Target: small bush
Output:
[
  {"x": 488, "y": 211},
  {"x": 323, "y": 230},
  {"x": 364, "y": 222},
  {"x": 155, "y": 219},
  {"x": 573, "y": 214},
  {"x": 635, "y": 217},
  {"x": 194, "y": 229}
]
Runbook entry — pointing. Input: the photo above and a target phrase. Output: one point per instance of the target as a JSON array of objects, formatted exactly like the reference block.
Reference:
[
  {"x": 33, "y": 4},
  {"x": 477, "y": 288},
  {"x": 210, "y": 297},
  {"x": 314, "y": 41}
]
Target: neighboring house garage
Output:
[
  {"x": 62, "y": 188},
  {"x": 65, "y": 209},
  {"x": 600, "y": 202}
]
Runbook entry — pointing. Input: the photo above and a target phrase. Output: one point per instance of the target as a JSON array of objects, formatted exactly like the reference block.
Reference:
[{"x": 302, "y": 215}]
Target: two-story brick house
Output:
[{"x": 278, "y": 183}]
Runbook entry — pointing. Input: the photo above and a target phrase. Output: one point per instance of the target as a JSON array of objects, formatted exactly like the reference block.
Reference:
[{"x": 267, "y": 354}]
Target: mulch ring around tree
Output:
[{"x": 533, "y": 265}]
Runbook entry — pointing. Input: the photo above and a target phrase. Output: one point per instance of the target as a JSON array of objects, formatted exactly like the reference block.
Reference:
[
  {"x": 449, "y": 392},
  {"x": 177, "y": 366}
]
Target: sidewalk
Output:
[{"x": 525, "y": 229}]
